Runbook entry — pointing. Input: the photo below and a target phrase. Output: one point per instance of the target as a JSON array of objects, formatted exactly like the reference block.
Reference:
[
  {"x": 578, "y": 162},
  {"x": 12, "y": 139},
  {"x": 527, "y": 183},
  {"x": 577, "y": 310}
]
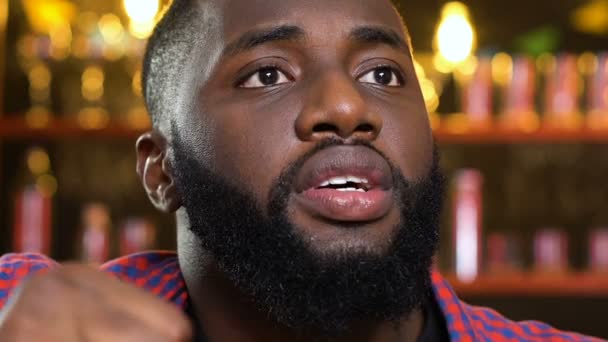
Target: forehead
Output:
[{"x": 320, "y": 16}]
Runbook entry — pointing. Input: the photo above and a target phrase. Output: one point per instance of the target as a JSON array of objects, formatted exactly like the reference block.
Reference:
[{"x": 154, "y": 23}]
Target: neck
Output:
[{"x": 228, "y": 315}]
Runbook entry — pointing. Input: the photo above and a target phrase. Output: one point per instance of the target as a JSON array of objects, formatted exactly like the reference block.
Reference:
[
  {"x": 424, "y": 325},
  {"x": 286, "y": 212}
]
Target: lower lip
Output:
[{"x": 347, "y": 206}]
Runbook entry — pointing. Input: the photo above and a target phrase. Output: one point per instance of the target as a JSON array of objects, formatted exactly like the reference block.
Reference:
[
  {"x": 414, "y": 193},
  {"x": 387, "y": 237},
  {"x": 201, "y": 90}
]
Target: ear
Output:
[{"x": 155, "y": 172}]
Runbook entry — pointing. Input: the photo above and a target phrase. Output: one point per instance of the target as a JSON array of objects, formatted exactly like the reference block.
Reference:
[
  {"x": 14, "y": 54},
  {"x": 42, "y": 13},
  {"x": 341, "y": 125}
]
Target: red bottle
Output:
[
  {"x": 598, "y": 250},
  {"x": 33, "y": 209},
  {"x": 598, "y": 95},
  {"x": 467, "y": 224},
  {"x": 477, "y": 95},
  {"x": 95, "y": 233},
  {"x": 561, "y": 94},
  {"x": 551, "y": 251},
  {"x": 519, "y": 111},
  {"x": 137, "y": 235}
]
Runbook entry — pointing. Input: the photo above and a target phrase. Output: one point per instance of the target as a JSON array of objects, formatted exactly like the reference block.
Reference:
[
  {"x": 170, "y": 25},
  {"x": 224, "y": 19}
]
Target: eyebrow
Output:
[
  {"x": 379, "y": 35},
  {"x": 254, "y": 38}
]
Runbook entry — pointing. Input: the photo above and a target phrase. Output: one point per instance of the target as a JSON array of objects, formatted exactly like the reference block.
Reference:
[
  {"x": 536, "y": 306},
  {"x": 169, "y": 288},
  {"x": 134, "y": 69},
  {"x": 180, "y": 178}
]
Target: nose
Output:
[{"x": 335, "y": 108}]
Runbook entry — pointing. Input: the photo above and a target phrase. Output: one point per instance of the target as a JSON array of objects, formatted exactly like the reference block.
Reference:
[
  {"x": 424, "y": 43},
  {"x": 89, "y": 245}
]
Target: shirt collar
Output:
[{"x": 159, "y": 273}]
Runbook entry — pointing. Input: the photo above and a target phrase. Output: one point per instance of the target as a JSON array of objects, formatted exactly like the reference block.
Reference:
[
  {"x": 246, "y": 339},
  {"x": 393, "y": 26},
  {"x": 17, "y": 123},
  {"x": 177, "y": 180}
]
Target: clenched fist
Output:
[{"x": 76, "y": 303}]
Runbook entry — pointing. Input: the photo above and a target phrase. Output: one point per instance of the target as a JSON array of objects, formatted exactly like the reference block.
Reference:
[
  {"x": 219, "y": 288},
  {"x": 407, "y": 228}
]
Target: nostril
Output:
[
  {"x": 324, "y": 127},
  {"x": 365, "y": 128}
]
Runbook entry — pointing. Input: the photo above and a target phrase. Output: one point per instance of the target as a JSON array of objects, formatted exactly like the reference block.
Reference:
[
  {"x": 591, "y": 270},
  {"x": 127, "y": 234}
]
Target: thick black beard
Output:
[{"x": 268, "y": 261}]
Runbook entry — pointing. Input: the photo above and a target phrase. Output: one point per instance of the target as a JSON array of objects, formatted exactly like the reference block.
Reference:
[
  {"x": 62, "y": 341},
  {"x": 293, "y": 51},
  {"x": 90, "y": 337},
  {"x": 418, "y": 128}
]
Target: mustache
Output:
[
  {"x": 284, "y": 184},
  {"x": 290, "y": 171}
]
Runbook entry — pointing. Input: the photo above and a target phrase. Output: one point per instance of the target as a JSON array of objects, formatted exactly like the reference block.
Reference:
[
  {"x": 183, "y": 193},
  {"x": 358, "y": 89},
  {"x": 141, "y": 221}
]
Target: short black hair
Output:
[
  {"x": 161, "y": 60},
  {"x": 169, "y": 51}
]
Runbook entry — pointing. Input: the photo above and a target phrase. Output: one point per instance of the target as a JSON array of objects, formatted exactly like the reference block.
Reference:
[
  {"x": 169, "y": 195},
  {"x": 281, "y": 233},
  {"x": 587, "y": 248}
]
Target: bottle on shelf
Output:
[
  {"x": 597, "y": 96},
  {"x": 96, "y": 225},
  {"x": 137, "y": 235},
  {"x": 33, "y": 210},
  {"x": 562, "y": 94},
  {"x": 477, "y": 95},
  {"x": 467, "y": 203},
  {"x": 519, "y": 112},
  {"x": 598, "y": 250},
  {"x": 551, "y": 251},
  {"x": 503, "y": 254}
]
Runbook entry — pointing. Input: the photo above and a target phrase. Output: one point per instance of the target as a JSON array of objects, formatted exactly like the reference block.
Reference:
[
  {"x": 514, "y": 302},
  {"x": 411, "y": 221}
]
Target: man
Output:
[{"x": 291, "y": 140}]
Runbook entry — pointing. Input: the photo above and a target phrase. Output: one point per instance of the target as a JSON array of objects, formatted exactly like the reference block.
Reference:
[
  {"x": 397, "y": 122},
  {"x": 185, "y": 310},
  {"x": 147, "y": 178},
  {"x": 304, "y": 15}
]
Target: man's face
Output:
[
  {"x": 309, "y": 173},
  {"x": 332, "y": 69}
]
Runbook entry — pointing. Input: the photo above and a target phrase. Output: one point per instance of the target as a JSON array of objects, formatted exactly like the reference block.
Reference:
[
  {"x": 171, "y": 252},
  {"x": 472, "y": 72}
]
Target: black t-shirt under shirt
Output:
[
  {"x": 434, "y": 330},
  {"x": 435, "y": 327}
]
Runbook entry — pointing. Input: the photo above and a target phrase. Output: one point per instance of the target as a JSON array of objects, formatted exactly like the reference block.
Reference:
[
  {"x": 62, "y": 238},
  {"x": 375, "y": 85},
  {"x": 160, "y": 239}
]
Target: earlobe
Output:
[{"x": 155, "y": 173}]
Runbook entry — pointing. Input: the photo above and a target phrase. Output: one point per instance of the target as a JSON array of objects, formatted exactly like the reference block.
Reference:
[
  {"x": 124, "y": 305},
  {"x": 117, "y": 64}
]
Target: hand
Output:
[{"x": 76, "y": 303}]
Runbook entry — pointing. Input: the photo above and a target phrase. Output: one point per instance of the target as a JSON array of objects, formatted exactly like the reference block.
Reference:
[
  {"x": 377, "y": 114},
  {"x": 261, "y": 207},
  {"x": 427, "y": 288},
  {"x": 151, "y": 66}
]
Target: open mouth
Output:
[{"x": 345, "y": 183}]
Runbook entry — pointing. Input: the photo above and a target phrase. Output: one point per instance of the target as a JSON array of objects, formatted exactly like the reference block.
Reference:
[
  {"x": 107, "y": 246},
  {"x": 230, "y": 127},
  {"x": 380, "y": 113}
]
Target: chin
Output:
[{"x": 330, "y": 239}]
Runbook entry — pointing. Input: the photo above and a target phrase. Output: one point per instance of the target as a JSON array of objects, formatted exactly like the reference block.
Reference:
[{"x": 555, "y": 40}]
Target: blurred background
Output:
[{"x": 517, "y": 93}]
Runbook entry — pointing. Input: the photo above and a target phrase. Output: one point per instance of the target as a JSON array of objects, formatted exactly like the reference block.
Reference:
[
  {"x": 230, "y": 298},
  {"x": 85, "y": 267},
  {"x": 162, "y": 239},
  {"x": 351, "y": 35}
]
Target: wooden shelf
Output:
[
  {"x": 15, "y": 128},
  {"x": 534, "y": 285},
  {"x": 504, "y": 136}
]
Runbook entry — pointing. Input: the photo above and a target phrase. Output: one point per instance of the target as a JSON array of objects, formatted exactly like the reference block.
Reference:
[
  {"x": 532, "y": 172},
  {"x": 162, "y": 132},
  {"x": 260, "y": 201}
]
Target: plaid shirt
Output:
[{"x": 159, "y": 273}]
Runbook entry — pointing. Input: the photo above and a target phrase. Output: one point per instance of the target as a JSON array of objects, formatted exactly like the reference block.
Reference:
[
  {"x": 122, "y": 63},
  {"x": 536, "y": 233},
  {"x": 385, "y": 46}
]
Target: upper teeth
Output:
[{"x": 344, "y": 180}]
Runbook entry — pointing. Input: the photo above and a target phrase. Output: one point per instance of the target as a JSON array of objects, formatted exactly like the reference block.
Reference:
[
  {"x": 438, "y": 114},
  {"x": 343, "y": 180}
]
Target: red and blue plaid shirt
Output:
[{"x": 159, "y": 273}]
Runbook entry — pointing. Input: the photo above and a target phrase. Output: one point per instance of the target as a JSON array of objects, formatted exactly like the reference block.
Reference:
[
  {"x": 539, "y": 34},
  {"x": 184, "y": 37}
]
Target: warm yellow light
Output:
[
  {"x": 431, "y": 99},
  {"x": 26, "y": 47},
  {"x": 587, "y": 63},
  {"x": 111, "y": 29},
  {"x": 136, "y": 83},
  {"x": 455, "y": 37},
  {"x": 47, "y": 185},
  {"x": 591, "y": 17},
  {"x": 420, "y": 72},
  {"x": 81, "y": 46},
  {"x": 39, "y": 76},
  {"x": 141, "y": 30},
  {"x": 468, "y": 67},
  {"x": 44, "y": 15},
  {"x": 86, "y": 21},
  {"x": 38, "y": 161},
  {"x": 113, "y": 52},
  {"x": 142, "y": 15},
  {"x": 38, "y": 117},
  {"x": 93, "y": 118},
  {"x": 141, "y": 10},
  {"x": 546, "y": 63},
  {"x": 138, "y": 118},
  {"x": 61, "y": 41},
  {"x": 442, "y": 65},
  {"x": 502, "y": 68},
  {"x": 92, "y": 83}
]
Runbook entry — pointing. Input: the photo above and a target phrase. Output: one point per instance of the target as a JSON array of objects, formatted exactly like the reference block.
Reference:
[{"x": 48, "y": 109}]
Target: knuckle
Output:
[
  {"x": 17, "y": 327},
  {"x": 180, "y": 331},
  {"x": 41, "y": 290}
]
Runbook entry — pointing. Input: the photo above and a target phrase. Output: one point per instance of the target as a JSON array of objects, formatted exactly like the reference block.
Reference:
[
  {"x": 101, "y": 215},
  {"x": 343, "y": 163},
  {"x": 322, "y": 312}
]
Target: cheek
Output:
[
  {"x": 406, "y": 136},
  {"x": 254, "y": 145}
]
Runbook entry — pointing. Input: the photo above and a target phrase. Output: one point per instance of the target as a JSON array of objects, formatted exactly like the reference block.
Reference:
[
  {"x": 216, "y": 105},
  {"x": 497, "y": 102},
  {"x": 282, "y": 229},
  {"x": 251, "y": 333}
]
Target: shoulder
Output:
[
  {"x": 157, "y": 272},
  {"x": 14, "y": 268},
  {"x": 492, "y": 325},
  {"x": 472, "y": 323}
]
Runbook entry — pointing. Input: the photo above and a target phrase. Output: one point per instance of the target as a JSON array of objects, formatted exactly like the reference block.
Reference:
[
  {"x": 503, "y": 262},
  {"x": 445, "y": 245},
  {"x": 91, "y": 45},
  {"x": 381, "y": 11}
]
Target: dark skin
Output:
[
  {"x": 330, "y": 69},
  {"x": 324, "y": 88}
]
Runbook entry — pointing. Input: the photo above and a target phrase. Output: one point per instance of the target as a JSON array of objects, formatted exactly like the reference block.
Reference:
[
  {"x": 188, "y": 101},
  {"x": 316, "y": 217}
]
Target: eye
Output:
[
  {"x": 265, "y": 77},
  {"x": 385, "y": 76}
]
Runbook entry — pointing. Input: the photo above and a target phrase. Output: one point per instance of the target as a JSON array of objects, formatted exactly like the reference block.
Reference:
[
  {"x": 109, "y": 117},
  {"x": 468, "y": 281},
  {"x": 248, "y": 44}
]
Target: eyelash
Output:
[
  {"x": 247, "y": 76},
  {"x": 396, "y": 71}
]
